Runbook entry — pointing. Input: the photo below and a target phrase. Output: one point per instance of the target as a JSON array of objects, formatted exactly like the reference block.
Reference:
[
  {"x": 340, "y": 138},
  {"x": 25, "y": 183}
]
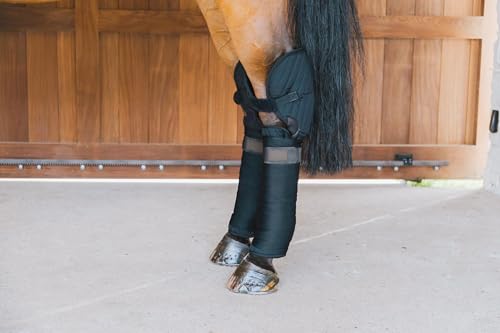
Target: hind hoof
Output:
[{"x": 251, "y": 279}]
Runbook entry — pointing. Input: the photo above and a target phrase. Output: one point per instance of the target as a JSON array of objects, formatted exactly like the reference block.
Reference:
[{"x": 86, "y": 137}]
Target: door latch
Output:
[
  {"x": 494, "y": 122},
  {"x": 407, "y": 159}
]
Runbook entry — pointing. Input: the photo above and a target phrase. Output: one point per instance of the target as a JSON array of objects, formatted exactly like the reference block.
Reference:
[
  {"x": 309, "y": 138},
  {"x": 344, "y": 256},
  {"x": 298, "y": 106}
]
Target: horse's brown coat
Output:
[{"x": 251, "y": 31}]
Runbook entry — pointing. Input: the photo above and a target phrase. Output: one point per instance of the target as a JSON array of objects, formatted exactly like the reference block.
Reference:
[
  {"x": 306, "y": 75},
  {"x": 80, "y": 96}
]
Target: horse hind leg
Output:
[{"x": 290, "y": 86}]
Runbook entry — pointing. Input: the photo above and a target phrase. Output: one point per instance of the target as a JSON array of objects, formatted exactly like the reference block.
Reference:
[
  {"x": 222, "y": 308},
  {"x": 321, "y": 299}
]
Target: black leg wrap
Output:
[
  {"x": 290, "y": 95},
  {"x": 244, "y": 218},
  {"x": 279, "y": 196}
]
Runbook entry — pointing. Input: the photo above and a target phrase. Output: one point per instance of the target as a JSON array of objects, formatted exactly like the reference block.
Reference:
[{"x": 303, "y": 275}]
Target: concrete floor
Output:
[{"x": 80, "y": 257}]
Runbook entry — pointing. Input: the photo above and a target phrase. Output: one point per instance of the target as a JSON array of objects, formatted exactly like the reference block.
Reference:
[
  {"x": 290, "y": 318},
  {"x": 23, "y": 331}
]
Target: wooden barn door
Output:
[
  {"x": 427, "y": 88},
  {"x": 139, "y": 80}
]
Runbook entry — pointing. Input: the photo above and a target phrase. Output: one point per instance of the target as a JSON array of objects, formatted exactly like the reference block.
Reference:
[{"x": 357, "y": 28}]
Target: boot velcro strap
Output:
[
  {"x": 252, "y": 145},
  {"x": 282, "y": 155},
  {"x": 265, "y": 104}
]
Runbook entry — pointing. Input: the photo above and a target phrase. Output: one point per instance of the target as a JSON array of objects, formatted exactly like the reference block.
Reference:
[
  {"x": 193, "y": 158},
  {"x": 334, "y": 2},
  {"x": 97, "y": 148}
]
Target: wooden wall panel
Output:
[
  {"x": 222, "y": 111},
  {"x": 193, "y": 80},
  {"x": 193, "y": 93},
  {"x": 87, "y": 71},
  {"x": 163, "y": 81},
  {"x": 43, "y": 86},
  {"x": 70, "y": 81},
  {"x": 454, "y": 68},
  {"x": 108, "y": 4},
  {"x": 426, "y": 81},
  {"x": 13, "y": 92},
  {"x": 368, "y": 129},
  {"x": 66, "y": 79},
  {"x": 109, "y": 68},
  {"x": 66, "y": 3},
  {"x": 133, "y": 80},
  {"x": 471, "y": 121},
  {"x": 164, "y": 89},
  {"x": 398, "y": 65}
]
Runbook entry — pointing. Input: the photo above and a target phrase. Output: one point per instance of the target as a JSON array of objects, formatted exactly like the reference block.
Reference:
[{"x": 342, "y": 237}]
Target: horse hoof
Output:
[
  {"x": 229, "y": 252},
  {"x": 251, "y": 279}
]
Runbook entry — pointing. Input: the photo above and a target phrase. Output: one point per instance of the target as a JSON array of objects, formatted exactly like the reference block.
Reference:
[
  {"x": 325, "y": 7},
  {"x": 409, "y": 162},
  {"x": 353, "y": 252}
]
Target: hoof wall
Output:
[
  {"x": 251, "y": 279},
  {"x": 229, "y": 252}
]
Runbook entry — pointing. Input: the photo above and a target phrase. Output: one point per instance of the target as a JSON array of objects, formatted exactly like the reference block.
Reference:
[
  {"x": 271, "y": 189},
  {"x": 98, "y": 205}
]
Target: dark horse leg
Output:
[
  {"x": 254, "y": 46},
  {"x": 289, "y": 87},
  {"x": 266, "y": 200},
  {"x": 235, "y": 243},
  {"x": 288, "y": 96}
]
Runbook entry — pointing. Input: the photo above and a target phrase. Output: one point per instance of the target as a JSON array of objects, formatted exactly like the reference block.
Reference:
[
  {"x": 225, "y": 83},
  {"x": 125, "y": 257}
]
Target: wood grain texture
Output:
[
  {"x": 155, "y": 83},
  {"x": 65, "y": 4},
  {"x": 371, "y": 7},
  {"x": 108, "y": 4},
  {"x": 222, "y": 110},
  {"x": 133, "y": 78},
  {"x": 193, "y": 93},
  {"x": 191, "y": 21},
  {"x": 36, "y": 19},
  {"x": 43, "y": 104},
  {"x": 110, "y": 96},
  {"x": 367, "y": 123},
  {"x": 27, "y": 2},
  {"x": 454, "y": 69},
  {"x": 152, "y": 22},
  {"x": 66, "y": 80},
  {"x": 163, "y": 81},
  {"x": 425, "y": 27},
  {"x": 13, "y": 92},
  {"x": 426, "y": 81},
  {"x": 485, "y": 78},
  {"x": 188, "y": 5},
  {"x": 462, "y": 160},
  {"x": 87, "y": 71},
  {"x": 473, "y": 90},
  {"x": 164, "y": 89},
  {"x": 109, "y": 68},
  {"x": 68, "y": 131},
  {"x": 398, "y": 72}
]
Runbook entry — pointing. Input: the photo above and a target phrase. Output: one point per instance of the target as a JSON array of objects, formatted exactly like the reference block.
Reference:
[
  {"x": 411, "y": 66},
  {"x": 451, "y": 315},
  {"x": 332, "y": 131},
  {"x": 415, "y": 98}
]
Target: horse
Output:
[{"x": 294, "y": 62}]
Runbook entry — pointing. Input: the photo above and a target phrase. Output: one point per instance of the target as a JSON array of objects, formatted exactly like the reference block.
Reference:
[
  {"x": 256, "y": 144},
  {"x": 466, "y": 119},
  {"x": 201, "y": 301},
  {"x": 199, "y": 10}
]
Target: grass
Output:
[{"x": 473, "y": 184}]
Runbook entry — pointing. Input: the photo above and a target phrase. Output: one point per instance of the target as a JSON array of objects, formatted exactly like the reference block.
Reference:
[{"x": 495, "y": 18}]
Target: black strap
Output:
[{"x": 264, "y": 104}]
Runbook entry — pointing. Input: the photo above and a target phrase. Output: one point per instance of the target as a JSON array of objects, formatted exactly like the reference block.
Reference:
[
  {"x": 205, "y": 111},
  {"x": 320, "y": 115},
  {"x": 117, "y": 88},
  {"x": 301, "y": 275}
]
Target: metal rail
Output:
[{"x": 204, "y": 164}]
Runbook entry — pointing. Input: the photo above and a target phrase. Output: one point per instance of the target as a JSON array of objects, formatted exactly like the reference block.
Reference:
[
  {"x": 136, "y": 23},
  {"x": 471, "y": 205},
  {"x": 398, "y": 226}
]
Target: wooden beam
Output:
[
  {"x": 186, "y": 21},
  {"x": 423, "y": 27},
  {"x": 27, "y": 2},
  {"x": 87, "y": 70},
  {"x": 119, "y": 151},
  {"x": 404, "y": 173},
  {"x": 36, "y": 19},
  {"x": 151, "y": 21},
  {"x": 462, "y": 158},
  {"x": 486, "y": 78}
]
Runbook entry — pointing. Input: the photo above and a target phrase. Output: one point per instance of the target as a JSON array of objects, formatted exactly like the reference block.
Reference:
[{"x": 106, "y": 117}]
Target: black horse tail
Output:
[{"x": 329, "y": 31}]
